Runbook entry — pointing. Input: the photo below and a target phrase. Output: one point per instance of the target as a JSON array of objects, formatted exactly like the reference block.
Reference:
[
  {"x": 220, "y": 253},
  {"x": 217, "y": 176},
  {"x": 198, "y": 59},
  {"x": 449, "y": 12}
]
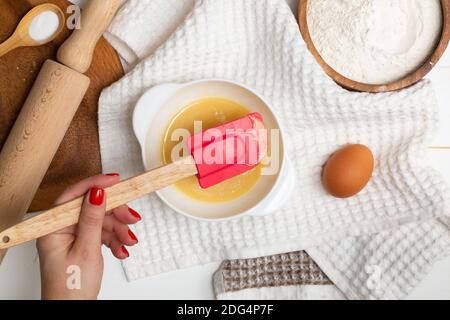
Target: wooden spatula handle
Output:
[
  {"x": 68, "y": 214},
  {"x": 77, "y": 52}
]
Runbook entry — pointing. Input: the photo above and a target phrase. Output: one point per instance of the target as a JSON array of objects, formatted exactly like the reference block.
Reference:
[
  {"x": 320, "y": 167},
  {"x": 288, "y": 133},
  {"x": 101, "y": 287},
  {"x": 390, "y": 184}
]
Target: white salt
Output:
[{"x": 44, "y": 25}]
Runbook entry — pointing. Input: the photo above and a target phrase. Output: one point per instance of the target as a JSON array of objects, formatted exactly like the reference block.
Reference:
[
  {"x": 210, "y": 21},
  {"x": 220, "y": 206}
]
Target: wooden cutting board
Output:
[{"x": 79, "y": 155}]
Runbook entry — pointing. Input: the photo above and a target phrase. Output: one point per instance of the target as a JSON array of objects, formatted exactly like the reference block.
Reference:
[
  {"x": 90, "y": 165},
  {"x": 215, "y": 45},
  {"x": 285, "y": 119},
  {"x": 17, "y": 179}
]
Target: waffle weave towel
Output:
[{"x": 257, "y": 42}]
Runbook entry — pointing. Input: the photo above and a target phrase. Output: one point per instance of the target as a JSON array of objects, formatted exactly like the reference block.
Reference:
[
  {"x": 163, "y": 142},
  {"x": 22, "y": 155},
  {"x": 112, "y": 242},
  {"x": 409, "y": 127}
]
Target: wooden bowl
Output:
[{"x": 396, "y": 85}]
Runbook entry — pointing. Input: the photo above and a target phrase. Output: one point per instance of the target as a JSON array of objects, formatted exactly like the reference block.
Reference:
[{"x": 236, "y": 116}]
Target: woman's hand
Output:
[{"x": 71, "y": 259}]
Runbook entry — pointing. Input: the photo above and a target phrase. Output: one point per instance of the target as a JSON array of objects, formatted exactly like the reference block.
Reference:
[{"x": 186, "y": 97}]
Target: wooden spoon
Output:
[{"x": 21, "y": 37}]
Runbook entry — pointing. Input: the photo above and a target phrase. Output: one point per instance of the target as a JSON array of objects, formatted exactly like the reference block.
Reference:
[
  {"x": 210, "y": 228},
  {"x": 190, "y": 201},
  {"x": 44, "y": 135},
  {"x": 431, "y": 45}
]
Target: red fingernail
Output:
[
  {"x": 97, "y": 196},
  {"x": 113, "y": 174},
  {"x": 124, "y": 250},
  {"x": 132, "y": 236},
  {"x": 134, "y": 213}
]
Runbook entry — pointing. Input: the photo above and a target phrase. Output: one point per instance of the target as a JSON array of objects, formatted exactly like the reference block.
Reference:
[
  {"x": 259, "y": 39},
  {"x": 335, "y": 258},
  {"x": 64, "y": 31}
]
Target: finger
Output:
[
  {"x": 117, "y": 248},
  {"x": 107, "y": 238},
  {"x": 120, "y": 230},
  {"x": 82, "y": 187},
  {"x": 90, "y": 224},
  {"x": 126, "y": 215}
]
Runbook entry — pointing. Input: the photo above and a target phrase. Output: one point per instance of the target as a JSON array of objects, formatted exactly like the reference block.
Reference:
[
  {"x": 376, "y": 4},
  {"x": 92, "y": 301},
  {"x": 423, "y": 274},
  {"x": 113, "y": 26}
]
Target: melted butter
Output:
[{"x": 212, "y": 112}]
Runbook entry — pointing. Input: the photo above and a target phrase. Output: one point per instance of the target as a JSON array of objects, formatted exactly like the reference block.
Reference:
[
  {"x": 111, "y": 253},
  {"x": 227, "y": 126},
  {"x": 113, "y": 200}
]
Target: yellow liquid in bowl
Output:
[{"x": 212, "y": 112}]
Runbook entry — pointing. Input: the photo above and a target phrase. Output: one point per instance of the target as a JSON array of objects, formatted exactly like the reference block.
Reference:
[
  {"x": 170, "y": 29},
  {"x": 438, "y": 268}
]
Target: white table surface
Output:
[{"x": 19, "y": 273}]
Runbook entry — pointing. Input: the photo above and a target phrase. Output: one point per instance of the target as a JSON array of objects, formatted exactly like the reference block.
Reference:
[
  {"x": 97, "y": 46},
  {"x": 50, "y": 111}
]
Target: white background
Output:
[{"x": 19, "y": 274}]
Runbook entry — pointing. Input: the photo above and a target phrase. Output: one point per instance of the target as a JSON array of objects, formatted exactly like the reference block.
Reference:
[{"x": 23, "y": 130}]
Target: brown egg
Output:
[{"x": 348, "y": 171}]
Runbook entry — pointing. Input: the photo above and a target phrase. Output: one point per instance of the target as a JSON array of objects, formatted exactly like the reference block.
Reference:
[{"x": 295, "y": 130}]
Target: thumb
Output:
[{"x": 90, "y": 225}]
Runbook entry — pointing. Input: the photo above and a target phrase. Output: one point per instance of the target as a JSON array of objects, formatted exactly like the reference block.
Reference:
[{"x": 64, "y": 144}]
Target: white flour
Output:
[
  {"x": 375, "y": 41},
  {"x": 44, "y": 25}
]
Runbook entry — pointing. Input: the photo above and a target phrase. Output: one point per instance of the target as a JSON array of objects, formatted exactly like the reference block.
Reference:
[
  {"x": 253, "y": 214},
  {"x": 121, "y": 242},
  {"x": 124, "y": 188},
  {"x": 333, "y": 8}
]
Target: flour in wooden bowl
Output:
[{"x": 375, "y": 41}]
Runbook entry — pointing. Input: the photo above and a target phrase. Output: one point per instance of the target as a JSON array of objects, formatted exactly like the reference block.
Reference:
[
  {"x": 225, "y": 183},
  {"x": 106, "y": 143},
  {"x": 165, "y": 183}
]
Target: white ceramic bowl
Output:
[{"x": 152, "y": 115}]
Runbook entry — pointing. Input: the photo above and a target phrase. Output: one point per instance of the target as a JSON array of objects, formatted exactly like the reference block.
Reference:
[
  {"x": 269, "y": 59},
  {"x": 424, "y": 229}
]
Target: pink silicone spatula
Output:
[{"x": 217, "y": 155}]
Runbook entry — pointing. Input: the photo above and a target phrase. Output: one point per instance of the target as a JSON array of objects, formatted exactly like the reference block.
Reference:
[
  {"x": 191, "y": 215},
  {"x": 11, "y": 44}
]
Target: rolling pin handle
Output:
[{"x": 78, "y": 50}]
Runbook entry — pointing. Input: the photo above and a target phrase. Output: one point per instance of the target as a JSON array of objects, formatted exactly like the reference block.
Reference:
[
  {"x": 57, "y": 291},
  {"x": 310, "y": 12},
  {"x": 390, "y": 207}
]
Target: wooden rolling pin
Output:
[{"x": 47, "y": 114}]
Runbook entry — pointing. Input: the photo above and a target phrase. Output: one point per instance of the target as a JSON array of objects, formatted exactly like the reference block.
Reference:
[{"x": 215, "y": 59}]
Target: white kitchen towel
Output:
[
  {"x": 141, "y": 26},
  {"x": 257, "y": 42},
  {"x": 388, "y": 265}
]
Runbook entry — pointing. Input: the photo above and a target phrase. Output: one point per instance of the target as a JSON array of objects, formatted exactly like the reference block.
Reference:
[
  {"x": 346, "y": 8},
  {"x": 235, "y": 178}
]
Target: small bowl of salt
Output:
[{"x": 376, "y": 45}]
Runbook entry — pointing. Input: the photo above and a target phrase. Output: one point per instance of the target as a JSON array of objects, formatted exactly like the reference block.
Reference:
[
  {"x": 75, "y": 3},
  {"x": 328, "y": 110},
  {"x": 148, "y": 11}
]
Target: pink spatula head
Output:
[{"x": 230, "y": 150}]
